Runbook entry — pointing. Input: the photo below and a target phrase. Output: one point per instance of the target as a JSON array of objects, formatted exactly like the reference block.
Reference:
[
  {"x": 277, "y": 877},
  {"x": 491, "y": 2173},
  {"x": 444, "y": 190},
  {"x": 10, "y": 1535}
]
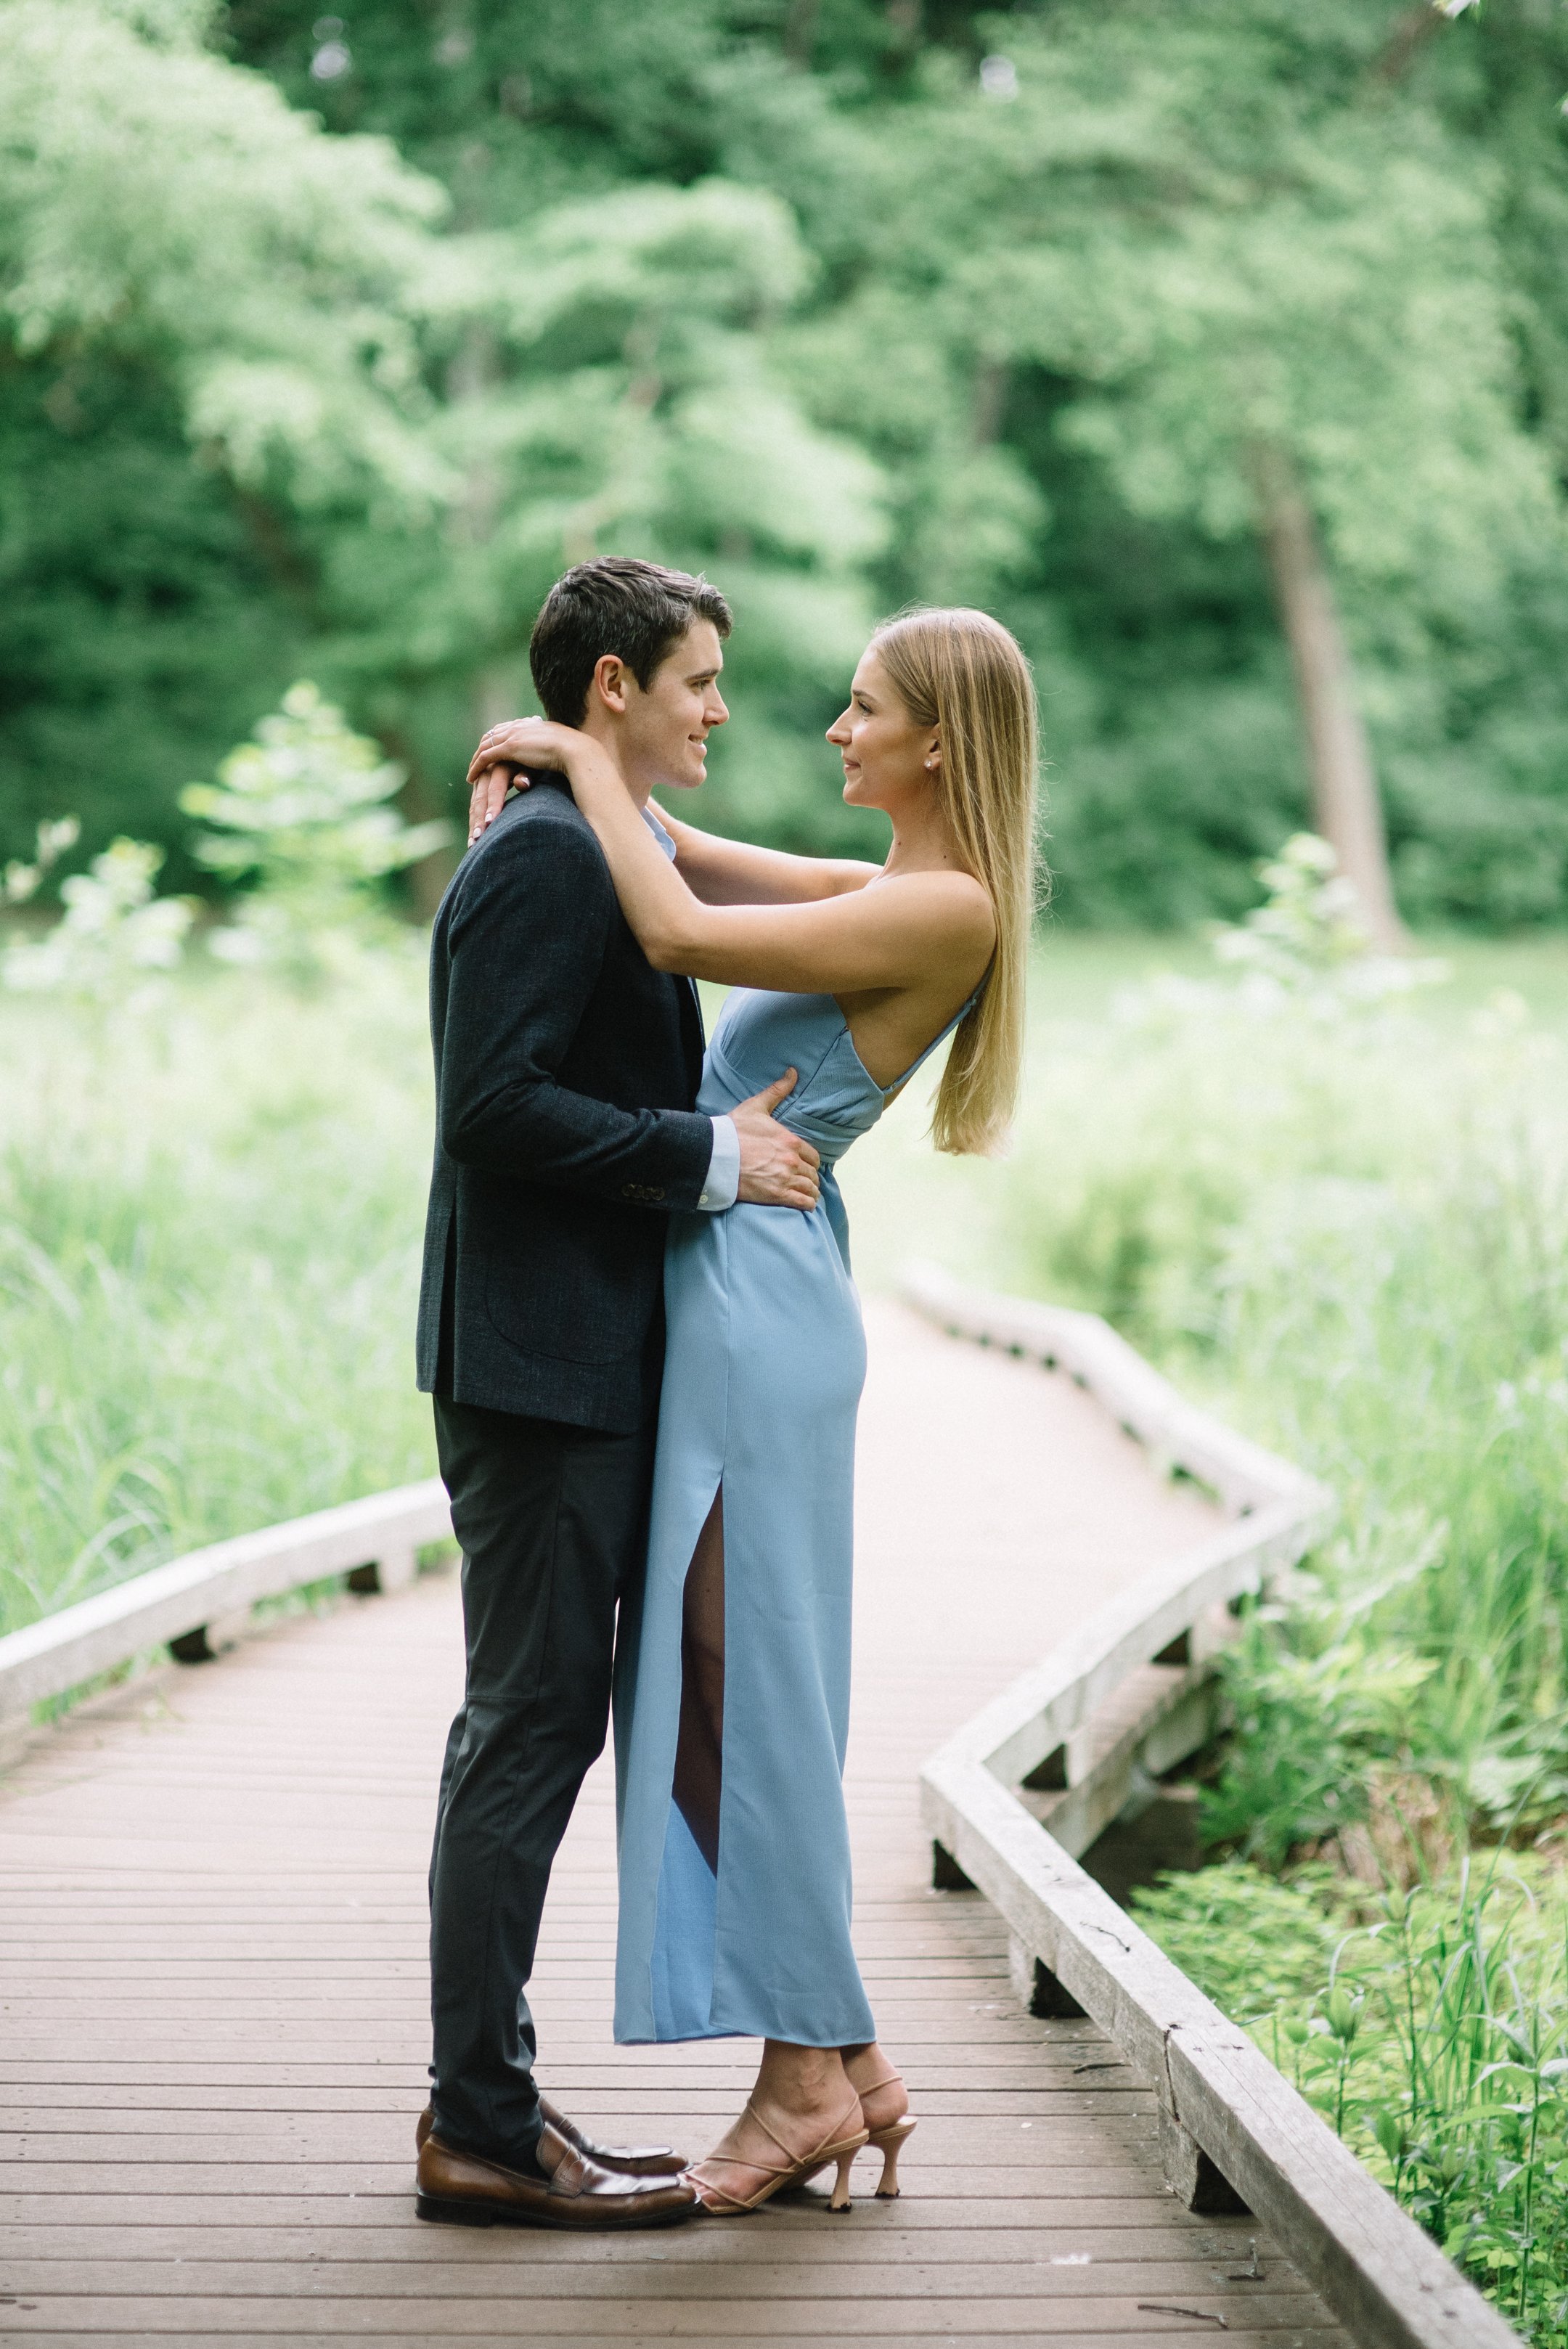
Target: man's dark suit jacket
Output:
[{"x": 566, "y": 1067}]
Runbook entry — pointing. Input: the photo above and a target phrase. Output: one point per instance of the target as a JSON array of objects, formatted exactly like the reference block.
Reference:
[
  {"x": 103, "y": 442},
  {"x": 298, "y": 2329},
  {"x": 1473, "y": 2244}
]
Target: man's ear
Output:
[{"x": 610, "y": 684}]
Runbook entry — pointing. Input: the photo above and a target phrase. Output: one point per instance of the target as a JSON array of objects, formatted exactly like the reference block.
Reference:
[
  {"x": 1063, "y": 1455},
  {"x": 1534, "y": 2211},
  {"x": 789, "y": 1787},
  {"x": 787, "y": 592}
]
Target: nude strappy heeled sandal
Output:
[
  {"x": 841, "y": 2147},
  {"x": 889, "y": 2141}
]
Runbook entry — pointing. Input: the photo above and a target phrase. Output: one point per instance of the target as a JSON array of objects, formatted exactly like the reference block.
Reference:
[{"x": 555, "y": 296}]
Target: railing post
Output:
[
  {"x": 1191, "y": 2176},
  {"x": 395, "y": 1569},
  {"x": 947, "y": 1875},
  {"x": 1037, "y": 1989},
  {"x": 205, "y": 1642}
]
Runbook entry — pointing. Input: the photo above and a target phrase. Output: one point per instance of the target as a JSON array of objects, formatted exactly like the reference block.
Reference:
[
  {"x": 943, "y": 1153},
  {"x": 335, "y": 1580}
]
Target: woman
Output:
[{"x": 733, "y": 1685}]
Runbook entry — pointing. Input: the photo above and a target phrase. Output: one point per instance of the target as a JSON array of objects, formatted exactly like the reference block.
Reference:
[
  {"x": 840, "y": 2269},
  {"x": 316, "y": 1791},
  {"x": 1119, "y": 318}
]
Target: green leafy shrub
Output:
[
  {"x": 1314, "y": 1711},
  {"x": 114, "y": 937},
  {"x": 303, "y": 812}
]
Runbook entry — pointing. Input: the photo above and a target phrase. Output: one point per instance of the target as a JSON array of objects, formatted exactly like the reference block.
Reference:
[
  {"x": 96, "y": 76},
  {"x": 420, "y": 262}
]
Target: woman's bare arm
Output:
[
  {"x": 738, "y": 873},
  {"x": 906, "y": 933},
  {"x": 930, "y": 931}
]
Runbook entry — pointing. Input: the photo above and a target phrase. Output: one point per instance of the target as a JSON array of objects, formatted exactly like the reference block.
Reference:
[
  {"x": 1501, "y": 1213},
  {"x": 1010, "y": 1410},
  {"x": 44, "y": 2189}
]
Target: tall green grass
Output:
[
  {"x": 209, "y": 1216},
  {"x": 1429, "y": 2028},
  {"x": 1351, "y": 1231}
]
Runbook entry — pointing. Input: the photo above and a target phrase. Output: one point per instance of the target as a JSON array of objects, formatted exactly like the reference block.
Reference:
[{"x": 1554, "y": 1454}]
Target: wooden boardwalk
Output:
[{"x": 213, "y": 1982}]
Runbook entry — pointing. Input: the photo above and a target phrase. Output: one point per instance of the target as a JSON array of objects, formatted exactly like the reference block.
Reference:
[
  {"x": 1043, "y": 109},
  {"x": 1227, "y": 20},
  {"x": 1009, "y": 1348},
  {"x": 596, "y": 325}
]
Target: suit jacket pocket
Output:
[{"x": 586, "y": 1295}]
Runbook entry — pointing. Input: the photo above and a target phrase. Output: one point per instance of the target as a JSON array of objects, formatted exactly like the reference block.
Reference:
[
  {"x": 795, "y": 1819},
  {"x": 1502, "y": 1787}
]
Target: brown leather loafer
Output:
[
  {"x": 624, "y": 2160},
  {"x": 462, "y": 2190}
]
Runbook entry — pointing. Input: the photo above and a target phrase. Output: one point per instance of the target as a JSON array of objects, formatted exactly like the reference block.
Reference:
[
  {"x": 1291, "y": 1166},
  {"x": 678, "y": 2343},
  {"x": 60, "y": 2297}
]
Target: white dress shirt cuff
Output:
[{"x": 724, "y": 1184}]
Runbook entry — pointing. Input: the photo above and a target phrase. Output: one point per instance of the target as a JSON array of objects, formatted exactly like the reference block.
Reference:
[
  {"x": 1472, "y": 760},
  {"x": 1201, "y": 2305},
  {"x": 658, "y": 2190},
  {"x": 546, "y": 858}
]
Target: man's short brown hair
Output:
[{"x": 613, "y": 604}]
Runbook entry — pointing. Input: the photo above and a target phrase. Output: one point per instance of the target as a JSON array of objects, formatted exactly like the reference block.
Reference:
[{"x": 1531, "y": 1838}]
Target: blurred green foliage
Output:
[
  {"x": 302, "y": 814},
  {"x": 115, "y": 936},
  {"x": 845, "y": 303}
]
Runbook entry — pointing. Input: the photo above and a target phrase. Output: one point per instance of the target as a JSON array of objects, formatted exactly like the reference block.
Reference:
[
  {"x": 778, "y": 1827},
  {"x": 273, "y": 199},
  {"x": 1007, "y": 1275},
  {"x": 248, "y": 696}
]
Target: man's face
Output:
[{"x": 665, "y": 728}]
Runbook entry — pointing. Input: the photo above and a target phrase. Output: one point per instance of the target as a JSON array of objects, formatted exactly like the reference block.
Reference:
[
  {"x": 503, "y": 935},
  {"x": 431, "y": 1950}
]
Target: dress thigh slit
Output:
[{"x": 700, "y": 1746}]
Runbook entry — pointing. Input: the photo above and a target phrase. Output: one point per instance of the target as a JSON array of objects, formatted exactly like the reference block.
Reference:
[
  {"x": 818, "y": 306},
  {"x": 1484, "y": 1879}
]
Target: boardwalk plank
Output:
[
  {"x": 534, "y": 2278},
  {"x": 904, "y": 2329},
  {"x": 1158, "y": 2234},
  {"x": 1107, "y": 2197},
  {"x": 648, "y": 2319}
]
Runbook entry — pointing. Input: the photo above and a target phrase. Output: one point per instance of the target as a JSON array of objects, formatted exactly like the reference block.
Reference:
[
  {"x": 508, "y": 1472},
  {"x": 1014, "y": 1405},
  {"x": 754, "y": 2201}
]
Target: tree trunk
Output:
[
  {"x": 800, "y": 31},
  {"x": 1346, "y": 809},
  {"x": 990, "y": 399}
]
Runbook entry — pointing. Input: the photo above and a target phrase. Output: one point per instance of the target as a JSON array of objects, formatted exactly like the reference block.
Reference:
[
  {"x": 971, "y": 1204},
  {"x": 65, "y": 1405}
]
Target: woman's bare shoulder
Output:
[{"x": 955, "y": 900}]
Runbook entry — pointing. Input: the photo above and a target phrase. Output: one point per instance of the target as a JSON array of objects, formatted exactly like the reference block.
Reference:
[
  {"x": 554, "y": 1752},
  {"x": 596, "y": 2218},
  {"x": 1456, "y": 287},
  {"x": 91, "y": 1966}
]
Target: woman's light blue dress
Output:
[{"x": 764, "y": 1360}]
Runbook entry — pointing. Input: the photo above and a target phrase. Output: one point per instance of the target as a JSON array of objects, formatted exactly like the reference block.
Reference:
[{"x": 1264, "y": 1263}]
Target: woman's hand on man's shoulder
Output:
[
  {"x": 488, "y": 795},
  {"x": 498, "y": 766}
]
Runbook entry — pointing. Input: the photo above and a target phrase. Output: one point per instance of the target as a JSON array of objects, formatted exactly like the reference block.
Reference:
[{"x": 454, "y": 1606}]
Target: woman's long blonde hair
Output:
[{"x": 962, "y": 672}]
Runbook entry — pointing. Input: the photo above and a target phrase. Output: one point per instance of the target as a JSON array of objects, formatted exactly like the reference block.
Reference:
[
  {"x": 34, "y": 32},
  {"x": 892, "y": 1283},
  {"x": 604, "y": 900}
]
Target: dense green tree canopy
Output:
[{"x": 329, "y": 340}]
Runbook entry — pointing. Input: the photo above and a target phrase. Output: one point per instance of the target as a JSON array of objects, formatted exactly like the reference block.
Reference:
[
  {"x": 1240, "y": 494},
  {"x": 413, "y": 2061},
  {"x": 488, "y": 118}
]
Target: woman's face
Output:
[{"x": 887, "y": 756}]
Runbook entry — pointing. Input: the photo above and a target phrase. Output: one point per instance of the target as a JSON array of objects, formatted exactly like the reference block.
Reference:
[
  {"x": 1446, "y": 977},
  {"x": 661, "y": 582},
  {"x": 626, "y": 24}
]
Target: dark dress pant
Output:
[{"x": 553, "y": 1523}]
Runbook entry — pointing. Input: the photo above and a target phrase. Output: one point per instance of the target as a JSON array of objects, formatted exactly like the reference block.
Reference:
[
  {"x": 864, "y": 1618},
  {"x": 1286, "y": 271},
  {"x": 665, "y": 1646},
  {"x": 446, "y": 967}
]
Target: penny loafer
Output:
[
  {"x": 623, "y": 2161},
  {"x": 461, "y": 2190}
]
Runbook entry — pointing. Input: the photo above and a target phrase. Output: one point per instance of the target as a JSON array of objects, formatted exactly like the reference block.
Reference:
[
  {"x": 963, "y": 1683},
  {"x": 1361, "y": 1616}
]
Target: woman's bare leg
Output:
[{"x": 700, "y": 1751}]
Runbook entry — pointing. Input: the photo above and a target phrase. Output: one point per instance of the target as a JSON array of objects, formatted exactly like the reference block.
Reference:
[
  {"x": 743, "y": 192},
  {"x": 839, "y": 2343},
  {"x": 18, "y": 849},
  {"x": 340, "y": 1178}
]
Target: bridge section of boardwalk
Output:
[{"x": 213, "y": 1989}]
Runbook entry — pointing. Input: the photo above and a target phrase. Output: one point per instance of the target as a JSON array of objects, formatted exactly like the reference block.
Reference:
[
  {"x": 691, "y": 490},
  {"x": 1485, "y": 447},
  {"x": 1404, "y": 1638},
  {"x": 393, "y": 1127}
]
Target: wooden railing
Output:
[
  {"x": 192, "y": 1603},
  {"x": 1027, "y": 1785}
]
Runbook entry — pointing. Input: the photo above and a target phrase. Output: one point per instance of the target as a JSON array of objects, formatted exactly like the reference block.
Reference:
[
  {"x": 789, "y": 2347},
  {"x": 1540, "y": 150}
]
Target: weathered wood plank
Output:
[
  {"x": 911, "y": 2326},
  {"x": 648, "y": 2318},
  {"x": 532, "y": 2274},
  {"x": 1156, "y": 2235},
  {"x": 1075, "y": 2199}
]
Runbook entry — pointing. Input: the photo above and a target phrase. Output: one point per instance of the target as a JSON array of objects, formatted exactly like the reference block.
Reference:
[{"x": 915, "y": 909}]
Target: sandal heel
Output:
[
  {"x": 890, "y": 2143},
  {"x": 839, "y": 2198}
]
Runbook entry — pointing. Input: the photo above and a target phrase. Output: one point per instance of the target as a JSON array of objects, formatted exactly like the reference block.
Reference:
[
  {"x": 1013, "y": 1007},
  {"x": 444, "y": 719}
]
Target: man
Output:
[{"x": 567, "y": 1069}]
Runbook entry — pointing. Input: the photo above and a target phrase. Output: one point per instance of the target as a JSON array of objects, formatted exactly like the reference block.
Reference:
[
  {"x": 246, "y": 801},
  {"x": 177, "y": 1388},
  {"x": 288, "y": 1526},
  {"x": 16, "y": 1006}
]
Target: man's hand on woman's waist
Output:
[{"x": 778, "y": 1168}]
